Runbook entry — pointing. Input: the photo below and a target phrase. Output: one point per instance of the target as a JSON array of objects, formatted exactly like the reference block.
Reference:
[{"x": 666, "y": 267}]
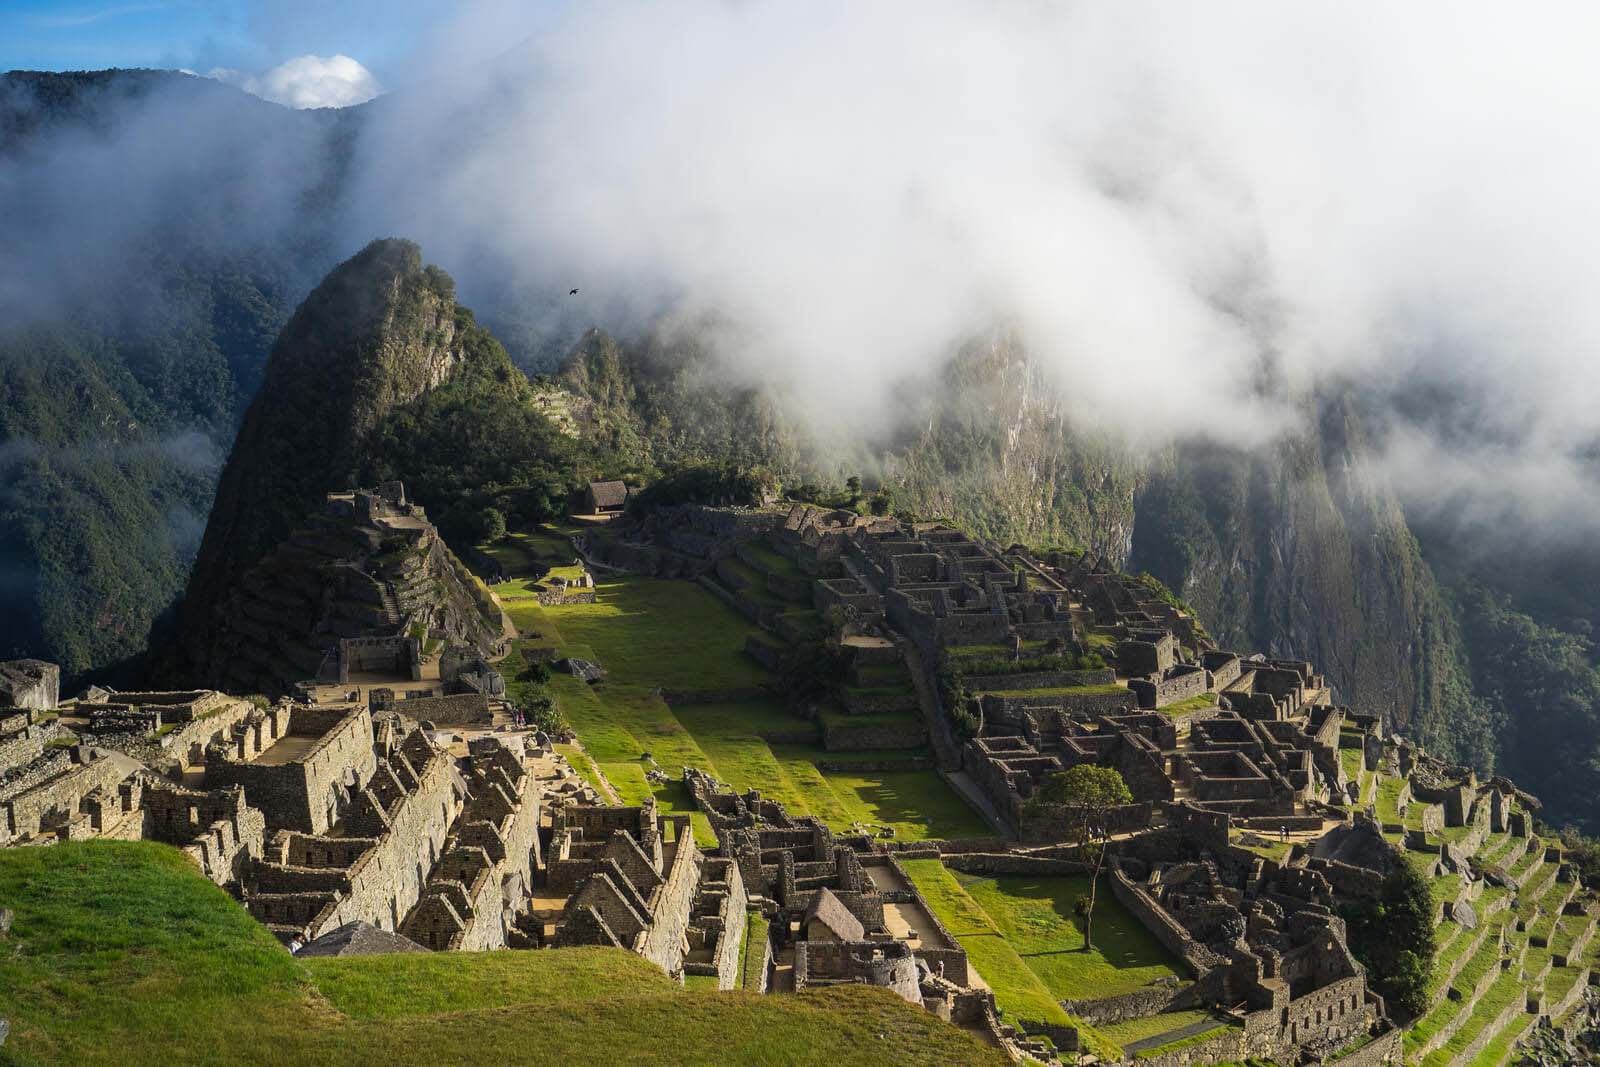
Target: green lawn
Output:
[
  {"x": 652, "y": 633},
  {"x": 523, "y": 552},
  {"x": 1195, "y": 703},
  {"x": 581, "y": 763},
  {"x": 121, "y": 954},
  {"x": 975, "y": 651},
  {"x": 1063, "y": 691},
  {"x": 1020, "y": 935},
  {"x": 1036, "y": 916},
  {"x": 755, "y": 951},
  {"x": 1126, "y": 1033},
  {"x": 774, "y": 563}
]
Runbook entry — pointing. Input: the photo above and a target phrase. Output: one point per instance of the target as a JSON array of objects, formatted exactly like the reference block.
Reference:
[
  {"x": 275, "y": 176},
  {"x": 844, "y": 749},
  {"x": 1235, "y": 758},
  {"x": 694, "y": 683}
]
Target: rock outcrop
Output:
[{"x": 379, "y": 332}]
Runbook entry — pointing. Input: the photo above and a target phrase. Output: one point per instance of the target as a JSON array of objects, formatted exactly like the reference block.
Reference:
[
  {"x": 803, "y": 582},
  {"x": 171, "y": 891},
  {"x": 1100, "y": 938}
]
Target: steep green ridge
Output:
[
  {"x": 108, "y": 456},
  {"x": 665, "y": 399},
  {"x": 131, "y": 339},
  {"x": 121, "y": 953},
  {"x": 377, "y": 333}
]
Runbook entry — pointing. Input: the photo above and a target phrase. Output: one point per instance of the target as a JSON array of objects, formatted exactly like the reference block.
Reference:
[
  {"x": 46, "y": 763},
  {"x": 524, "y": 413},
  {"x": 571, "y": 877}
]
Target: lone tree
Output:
[
  {"x": 1089, "y": 793},
  {"x": 1393, "y": 937}
]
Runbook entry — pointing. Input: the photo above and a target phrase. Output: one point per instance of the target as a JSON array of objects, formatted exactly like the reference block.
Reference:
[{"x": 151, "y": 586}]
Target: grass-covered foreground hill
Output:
[{"x": 121, "y": 953}]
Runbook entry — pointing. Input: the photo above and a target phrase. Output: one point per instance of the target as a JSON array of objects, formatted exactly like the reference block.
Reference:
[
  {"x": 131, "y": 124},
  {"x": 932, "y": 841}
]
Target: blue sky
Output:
[{"x": 249, "y": 35}]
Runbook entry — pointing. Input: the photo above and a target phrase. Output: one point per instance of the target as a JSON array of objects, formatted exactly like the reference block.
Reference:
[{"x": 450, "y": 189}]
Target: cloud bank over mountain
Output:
[
  {"x": 1188, "y": 213},
  {"x": 1185, "y": 211}
]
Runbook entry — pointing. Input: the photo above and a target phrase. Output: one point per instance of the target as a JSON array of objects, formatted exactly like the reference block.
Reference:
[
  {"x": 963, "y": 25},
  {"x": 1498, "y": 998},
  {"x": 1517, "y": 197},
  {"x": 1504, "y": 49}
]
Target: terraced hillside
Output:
[
  {"x": 685, "y": 687},
  {"x": 1514, "y": 931},
  {"x": 122, "y": 954}
]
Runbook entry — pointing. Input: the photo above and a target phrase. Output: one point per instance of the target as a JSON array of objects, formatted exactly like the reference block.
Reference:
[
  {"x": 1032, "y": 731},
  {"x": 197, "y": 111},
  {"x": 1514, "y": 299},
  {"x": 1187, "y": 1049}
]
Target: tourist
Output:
[
  {"x": 1283, "y": 834},
  {"x": 295, "y": 945}
]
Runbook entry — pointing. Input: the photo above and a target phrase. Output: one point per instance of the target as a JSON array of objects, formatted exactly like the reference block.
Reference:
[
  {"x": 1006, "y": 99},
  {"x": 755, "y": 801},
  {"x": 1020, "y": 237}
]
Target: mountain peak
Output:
[{"x": 380, "y": 331}]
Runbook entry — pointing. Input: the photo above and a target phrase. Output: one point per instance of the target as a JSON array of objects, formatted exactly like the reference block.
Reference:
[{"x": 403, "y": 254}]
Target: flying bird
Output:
[{"x": 573, "y": 293}]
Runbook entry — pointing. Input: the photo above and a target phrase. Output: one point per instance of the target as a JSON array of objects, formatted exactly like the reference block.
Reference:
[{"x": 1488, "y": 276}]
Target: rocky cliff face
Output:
[
  {"x": 1304, "y": 551},
  {"x": 996, "y": 453},
  {"x": 376, "y": 334}
]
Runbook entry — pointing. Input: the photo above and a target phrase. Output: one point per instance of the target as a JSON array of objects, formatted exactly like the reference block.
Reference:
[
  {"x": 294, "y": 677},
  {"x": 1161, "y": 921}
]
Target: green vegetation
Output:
[
  {"x": 479, "y": 452},
  {"x": 1393, "y": 936},
  {"x": 1126, "y": 1033},
  {"x": 1090, "y": 794},
  {"x": 580, "y": 761},
  {"x": 1004, "y": 664},
  {"x": 1061, "y": 691},
  {"x": 706, "y": 483},
  {"x": 751, "y": 969},
  {"x": 1039, "y": 919},
  {"x": 1186, "y": 1042},
  {"x": 1192, "y": 704},
  {"x": 1157, "y": 589},
  {"x": 121, "y": 954},
  {"x": 1022, "y": 935},
  {"x": 653, "y": 634}
]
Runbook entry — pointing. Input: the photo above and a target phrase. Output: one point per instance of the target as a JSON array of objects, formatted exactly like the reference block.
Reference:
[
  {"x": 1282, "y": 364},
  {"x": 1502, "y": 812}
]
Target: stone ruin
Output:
[
  {"x": 352, "y": 826},
  {"x": 364, "y": 593}
]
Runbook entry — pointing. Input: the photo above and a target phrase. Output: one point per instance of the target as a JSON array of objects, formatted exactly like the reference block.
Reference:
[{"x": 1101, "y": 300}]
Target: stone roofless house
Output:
[
  {"x": 373, "y": 862},
  {"x": 632, "y": 875},
  {"x": 299, "y": 764},
  {"x": 483, "y": 883}
]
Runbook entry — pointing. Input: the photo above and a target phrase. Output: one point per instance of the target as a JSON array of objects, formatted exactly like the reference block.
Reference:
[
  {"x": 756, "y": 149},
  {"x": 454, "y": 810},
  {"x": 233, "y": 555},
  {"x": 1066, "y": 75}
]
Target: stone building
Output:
[
  {"x": 301, "y": 765},
  {"x": 483, "y": 883},
  {"x": 632, "y": 876}
]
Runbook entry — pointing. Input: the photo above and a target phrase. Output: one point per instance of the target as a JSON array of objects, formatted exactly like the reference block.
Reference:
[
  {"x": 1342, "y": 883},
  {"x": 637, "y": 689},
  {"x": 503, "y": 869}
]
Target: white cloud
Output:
[
  {"x": 1164, "y": 199},
  {"x": 309, "y": 81}
]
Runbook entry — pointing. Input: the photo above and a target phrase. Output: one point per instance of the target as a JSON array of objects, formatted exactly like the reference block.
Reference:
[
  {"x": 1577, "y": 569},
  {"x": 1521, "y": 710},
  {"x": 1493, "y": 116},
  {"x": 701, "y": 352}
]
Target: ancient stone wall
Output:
[
  {"x": 1177, "y": 685},
  {"x": 1206, "y": 830},
  {"x": 56, "y": 800},
  {"x": 1039, "y": 680},
  {"x": 1058, "y": 822},
  {"x": 1139, "y": 1004},
  {"x": 670, "y": 908},
  {"x": 188, "y": 741},
  {"x": 1090, "y": 702},
  {"x": 1155, "y": 919},
  {"x": 889, "y": 964},
  {"x": 1381, "y": 1050},
  {"x": 27, "y": 745},
  {"x": 844, "y": 737},
  {"x": 457, "y": 710},
  {"x": 219, "y": 831}
]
